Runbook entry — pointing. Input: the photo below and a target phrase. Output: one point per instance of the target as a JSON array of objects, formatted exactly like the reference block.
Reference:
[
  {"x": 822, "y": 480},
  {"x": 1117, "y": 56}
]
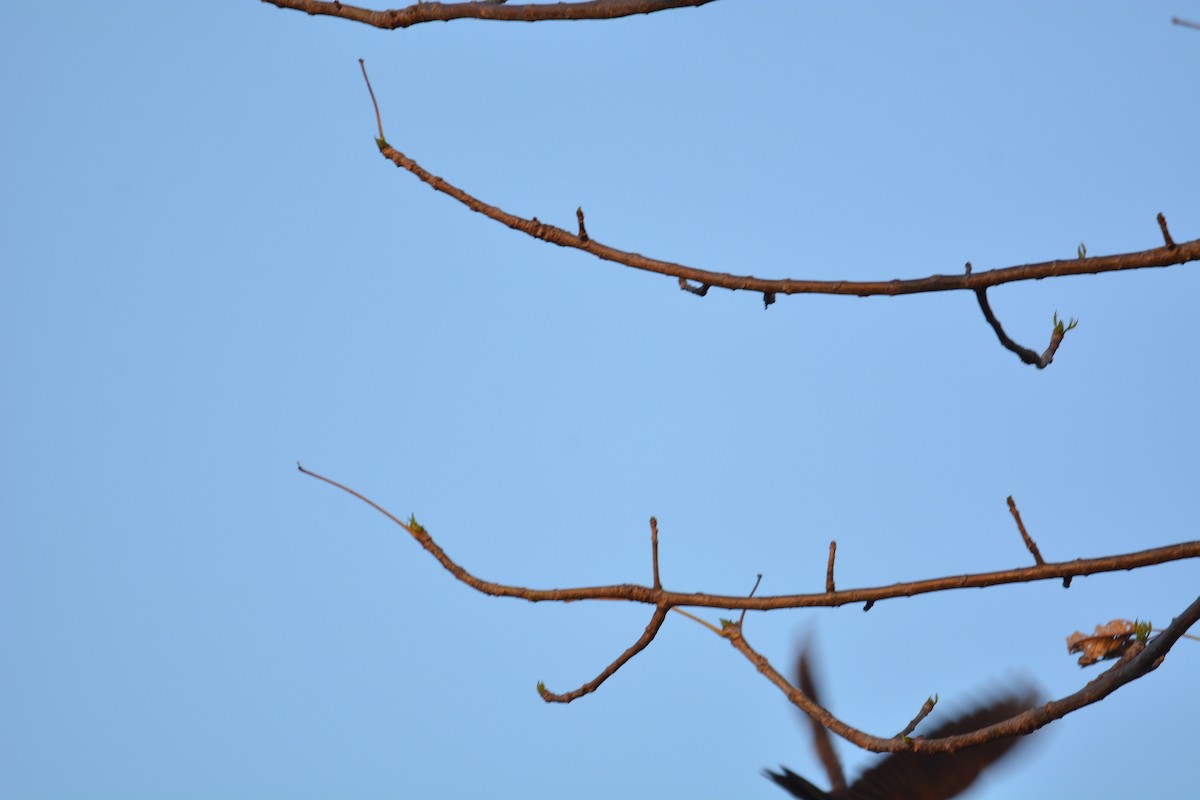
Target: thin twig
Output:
[
  {"x": 656, "y": 622},
  {"x": 1185, "y": 23},
  {"x": 694, "y": 618},
  {"x": 922, "y": 714},
  {"x": 1029, "y": 543},
  {"x": 829, "y": 587},
  {"x": 654, "y": 550},
  {"x": 378, "y": 120},
  {"x": 487, "y": 9},
  {"x": 757, "y": 581}
]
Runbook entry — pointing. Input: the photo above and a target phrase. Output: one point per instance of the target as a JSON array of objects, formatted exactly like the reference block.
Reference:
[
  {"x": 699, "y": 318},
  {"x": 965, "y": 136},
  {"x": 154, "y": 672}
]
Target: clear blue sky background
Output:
[{"x": 209, "y": 273}]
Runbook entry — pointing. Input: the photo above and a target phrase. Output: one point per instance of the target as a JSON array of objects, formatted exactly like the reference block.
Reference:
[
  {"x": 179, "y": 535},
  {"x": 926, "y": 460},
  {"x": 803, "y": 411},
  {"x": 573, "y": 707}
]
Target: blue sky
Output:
[{"x": 209, "y": 273}]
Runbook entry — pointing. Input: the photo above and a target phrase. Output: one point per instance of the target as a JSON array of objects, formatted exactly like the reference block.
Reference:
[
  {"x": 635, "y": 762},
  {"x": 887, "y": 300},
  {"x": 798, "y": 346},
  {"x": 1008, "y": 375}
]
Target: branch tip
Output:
[
  {"x": 829, "y": 585},
  {"x": 1162, "y": 224},
  {"x": 1029, "y": 543},
  {"x": 381, "y": 141},
  {"x": 583, "y": 234}
]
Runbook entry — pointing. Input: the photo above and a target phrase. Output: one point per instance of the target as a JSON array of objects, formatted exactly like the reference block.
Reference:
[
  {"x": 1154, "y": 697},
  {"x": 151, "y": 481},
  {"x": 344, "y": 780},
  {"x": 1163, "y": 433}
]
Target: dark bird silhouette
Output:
[{"x": 910, "y": 776}]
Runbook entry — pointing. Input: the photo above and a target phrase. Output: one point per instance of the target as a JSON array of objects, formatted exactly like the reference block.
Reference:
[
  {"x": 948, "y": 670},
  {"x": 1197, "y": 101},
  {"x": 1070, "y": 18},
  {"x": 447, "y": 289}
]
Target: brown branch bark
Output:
[
  {"x": 1181, "y": 253},
  {"x": 635, "y": 593},
  {"x": 1130, "y": 669},
  {"x": 1030, "y": 544},
  {"x": 484, "y": 9},
  {"x": 656, "y": 622}
]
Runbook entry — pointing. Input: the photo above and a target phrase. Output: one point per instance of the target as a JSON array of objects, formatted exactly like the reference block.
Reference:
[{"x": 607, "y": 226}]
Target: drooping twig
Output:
[
  {"x": 1185, "y": 23},
  {"x": 1029, "y": 543},
  {"x": 484, "y": 9},
  {"x": 656, "y": 621},
  {"x": 1024, "y": 353},
  {"x": 829, "y": 586},
  {"x": 1144, "y": 662}
]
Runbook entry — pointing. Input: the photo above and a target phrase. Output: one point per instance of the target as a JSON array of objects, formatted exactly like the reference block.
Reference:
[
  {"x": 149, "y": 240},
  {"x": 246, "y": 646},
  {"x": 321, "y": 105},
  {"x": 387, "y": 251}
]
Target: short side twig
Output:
[
  {"x": 1162, "y": 224},
  {"x": 654, "y": 550},
  {"x": 1029, "y": 543},
  {"x": 830, "y": 588},
  {"x": 926, "y": 708}
]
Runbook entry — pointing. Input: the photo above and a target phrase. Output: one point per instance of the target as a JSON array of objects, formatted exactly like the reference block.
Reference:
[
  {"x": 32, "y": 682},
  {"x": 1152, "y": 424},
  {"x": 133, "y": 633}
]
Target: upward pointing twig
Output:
[{"x": 381, "y": 141}]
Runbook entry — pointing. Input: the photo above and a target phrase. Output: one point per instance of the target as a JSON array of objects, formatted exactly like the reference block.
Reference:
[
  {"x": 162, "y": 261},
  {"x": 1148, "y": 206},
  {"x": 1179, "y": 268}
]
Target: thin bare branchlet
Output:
[
  {"x": 926, "y": 708},
  {"x": 381, "y": 141},
  {"x": 1030, "y": 544},
  {"x": 1187, "y": 23},
  {"x": 652, "y": 628},
  {"x": 830, "y": 588},
  {"x": 1162, "y": 225},
  {"x": 499, "y": 10},
  {"x": 757, "y": 581},
  {"x": 654, "y": 550}
]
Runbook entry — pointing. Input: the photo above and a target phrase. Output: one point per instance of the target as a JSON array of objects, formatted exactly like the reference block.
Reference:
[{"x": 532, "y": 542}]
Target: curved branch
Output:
[
  {"x": 634, "y": 593},
  {"x": 656, "y": 622},
  {"x": 1024, "y": 353},
  {"x": 1143, "y": 662},
  {"x": 484, "y": 9},
  {"x": 1181, "y": 253}
]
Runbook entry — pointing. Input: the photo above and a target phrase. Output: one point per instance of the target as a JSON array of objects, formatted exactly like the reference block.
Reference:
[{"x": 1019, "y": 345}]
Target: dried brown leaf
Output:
[{"x": 1107, "y": 641}]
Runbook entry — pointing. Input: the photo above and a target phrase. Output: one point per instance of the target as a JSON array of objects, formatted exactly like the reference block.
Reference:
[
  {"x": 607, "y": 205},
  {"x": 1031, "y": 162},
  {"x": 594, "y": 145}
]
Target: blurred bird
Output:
[{"x": 910, "y": 776}]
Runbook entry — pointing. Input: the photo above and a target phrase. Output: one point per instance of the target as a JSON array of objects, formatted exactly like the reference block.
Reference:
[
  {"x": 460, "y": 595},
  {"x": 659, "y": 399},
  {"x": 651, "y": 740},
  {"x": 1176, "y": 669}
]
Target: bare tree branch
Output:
[
  {"x": 484, "y": 9},
  {"x": 1155, "y": 257},
  {"x": 635, "y": 593},
  {"x": 1139, "y": 662},
  {"x": 979, "y": 282},
  {"x": 1185, "y": 23}
]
